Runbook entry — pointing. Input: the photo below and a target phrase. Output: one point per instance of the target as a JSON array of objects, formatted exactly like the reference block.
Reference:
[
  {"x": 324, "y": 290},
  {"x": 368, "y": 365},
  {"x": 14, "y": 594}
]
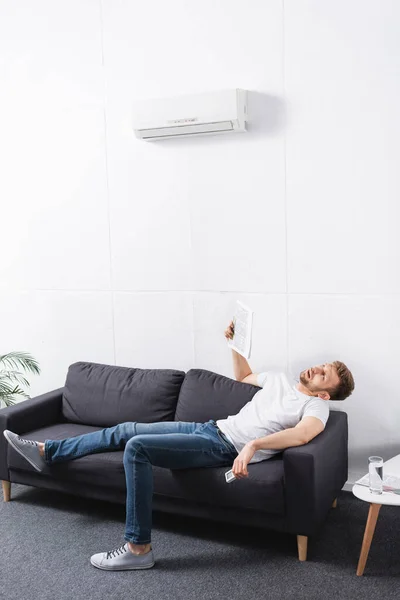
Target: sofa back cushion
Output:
[
  {"x": 105, "y": 395},
  {"x": 206, "y": 395}
]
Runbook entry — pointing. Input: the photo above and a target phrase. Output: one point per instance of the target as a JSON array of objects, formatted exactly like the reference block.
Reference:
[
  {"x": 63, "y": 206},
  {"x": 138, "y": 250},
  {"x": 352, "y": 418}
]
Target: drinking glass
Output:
[{"x": 375, "y": 468}]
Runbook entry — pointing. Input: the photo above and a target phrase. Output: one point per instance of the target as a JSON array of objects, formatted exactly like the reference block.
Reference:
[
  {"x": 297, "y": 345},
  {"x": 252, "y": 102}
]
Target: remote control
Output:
[{"x": 229, "y": 476}]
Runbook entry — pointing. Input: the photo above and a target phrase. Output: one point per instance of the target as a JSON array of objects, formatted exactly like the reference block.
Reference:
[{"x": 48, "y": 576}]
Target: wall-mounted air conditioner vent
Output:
[{"x": 199, "y": 114}]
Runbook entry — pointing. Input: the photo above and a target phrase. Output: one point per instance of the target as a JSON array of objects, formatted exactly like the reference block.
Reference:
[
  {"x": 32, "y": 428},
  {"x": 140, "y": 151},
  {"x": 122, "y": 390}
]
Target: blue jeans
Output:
[{"x": 170, "y": 444}]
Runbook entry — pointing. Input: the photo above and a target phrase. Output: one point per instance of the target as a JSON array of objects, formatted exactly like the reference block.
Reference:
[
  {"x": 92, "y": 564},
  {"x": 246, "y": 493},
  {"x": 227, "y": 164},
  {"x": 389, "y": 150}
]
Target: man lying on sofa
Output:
[{"x": 286, "y": 413}]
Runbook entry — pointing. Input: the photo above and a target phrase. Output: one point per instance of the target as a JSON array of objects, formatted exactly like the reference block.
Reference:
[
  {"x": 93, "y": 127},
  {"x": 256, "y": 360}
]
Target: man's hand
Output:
[
  {"x": 239, "y": 468},
  {"x": 229, "y": 331}
]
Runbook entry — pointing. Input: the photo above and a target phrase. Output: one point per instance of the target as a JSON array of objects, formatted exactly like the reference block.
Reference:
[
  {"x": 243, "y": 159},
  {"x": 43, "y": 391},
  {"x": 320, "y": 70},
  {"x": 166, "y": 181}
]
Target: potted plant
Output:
[{"x": 11, "y": 377}]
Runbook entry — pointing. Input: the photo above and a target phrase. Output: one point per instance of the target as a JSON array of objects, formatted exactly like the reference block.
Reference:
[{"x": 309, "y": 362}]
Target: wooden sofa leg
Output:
[
  {"x": 334, "y": 505},
  {"x": 6, "y": 490},
  {"x": 302, "y": 546}
]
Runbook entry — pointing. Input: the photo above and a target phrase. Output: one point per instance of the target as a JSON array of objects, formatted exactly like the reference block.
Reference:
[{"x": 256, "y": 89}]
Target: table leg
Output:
[{"x": 368, "y": 535}]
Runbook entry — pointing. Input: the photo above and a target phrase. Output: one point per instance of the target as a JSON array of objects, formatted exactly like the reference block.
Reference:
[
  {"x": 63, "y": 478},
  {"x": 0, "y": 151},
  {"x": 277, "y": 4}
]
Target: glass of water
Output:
[{"x": 375, "y": 474}]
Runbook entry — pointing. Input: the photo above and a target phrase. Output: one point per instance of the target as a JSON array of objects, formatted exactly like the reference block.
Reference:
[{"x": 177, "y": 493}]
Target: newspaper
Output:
[
  {"x": 242, "y": 326},
  {"x": 390, "y": 483}
]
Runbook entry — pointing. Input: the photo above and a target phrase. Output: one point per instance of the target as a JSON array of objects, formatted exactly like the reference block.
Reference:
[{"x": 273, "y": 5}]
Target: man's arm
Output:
[
  {"x": 241, "y": 367},
  {"x": 251, "y": 379},
  {"x": 242, "y": 370},
  {"x": 304, "y": 432},
  {"x": 279, "y": 441},
  {"x": 275, "y": 441}
]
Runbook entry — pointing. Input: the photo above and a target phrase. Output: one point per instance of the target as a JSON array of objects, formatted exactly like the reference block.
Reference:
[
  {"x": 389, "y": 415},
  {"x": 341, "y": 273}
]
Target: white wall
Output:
[{"x": 120, "y": 251}]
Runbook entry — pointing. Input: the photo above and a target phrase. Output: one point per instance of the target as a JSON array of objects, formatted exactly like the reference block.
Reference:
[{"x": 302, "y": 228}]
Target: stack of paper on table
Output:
[{"x": 391, "y": 483}]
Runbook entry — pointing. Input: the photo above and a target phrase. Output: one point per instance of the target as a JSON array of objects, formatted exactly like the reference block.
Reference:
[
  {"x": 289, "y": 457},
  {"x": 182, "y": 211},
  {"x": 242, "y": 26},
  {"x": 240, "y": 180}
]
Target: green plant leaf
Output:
[
  {"x": 14, "y": 376},
  {"x": 22, "y": 360},
  {"x": 5, "y": 388},
  {"x": 17, "y": 390},
  {"x": 8, "y": 401},
  {"x": 9, "y": 376}
]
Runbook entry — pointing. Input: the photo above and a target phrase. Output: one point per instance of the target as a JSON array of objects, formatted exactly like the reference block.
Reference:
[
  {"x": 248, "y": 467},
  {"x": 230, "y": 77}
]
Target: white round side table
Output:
[{"x": 391, "y": 467}]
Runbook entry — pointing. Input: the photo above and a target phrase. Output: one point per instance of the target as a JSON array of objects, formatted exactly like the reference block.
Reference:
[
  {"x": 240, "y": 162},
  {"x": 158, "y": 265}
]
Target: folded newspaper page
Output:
[
  {"x": 390, "y": 483},
  {"x": 243, "y": 324}
]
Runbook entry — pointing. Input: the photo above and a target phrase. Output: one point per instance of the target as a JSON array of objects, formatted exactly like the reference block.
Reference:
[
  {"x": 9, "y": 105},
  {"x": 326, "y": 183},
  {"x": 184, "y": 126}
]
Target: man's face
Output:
[{"x": 320, "y": 378}]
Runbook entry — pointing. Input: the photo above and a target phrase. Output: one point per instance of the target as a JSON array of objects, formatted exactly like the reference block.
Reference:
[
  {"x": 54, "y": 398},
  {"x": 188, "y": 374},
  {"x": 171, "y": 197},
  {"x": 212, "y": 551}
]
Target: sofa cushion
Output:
[
  {"x": 262, "y": 490},
  {"x": 105, "y": 395},
  {"x": 206, "y": 395}
]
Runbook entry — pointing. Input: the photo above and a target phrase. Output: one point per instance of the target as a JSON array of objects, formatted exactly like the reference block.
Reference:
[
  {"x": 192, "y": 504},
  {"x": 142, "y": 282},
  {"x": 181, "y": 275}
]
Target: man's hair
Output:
[{"x": 346, "y": 384}]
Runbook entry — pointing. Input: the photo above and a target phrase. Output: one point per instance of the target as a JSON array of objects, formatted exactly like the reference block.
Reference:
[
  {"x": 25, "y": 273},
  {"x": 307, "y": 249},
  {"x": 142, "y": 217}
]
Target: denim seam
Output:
[
  {"x": 80, "y": 453},
  {"x": 135, "y": 520},
  {"x": 91, "y": 451},
  {"x": 179, "y": 449},
  {"x": 135, "y": 524}
]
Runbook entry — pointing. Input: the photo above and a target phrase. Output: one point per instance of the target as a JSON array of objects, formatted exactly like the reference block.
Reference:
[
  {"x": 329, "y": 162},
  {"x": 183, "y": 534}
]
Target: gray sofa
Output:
[{"x": 292, "y": 492}]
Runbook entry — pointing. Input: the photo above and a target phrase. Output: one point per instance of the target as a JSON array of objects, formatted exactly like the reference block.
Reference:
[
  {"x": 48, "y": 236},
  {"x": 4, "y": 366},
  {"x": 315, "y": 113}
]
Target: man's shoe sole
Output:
[
  {"x": 123, "y": 568},
  {"x": 11, "y": 442}
]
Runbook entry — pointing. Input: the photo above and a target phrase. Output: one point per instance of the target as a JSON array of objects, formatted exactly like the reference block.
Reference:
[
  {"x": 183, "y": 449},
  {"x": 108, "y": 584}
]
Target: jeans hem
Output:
[
  {"x": 126, "y": 538},
  {"x": 46, "y": 456}
]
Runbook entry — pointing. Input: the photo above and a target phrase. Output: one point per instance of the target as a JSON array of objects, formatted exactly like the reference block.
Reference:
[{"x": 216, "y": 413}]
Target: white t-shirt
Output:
[{"x": 277, "y": 406}]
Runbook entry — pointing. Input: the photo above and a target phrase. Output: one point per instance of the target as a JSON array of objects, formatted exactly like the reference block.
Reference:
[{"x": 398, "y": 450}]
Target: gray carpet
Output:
[{"x": 48, "y": 537}]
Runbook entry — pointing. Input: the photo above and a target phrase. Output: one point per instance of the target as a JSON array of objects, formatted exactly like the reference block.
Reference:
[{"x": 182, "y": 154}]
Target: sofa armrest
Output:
[
  {"x": 28, "y": 415},
  {"x": 314, "y": 474}
]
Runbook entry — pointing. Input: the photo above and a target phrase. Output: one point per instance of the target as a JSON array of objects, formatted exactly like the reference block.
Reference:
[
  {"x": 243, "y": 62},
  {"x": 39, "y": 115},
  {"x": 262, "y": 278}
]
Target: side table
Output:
[{"x": 392, "y": 467}]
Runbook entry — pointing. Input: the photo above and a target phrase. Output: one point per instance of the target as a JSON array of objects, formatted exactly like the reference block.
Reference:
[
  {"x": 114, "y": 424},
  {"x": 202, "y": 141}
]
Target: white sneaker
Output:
[{"x": 122, "y": 559}]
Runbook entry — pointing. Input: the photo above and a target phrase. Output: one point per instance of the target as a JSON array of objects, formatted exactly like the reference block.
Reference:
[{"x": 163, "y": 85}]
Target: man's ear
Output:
[{"x": 323, "y": 395}]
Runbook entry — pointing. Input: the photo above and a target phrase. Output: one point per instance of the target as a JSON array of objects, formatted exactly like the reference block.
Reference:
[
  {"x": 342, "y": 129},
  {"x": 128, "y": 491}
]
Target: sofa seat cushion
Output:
[{"x": 262, "y": 490}]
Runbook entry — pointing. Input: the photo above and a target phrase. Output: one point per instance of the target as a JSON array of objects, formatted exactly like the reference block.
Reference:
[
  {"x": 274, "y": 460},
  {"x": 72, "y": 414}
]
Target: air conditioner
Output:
[{"x": 195, "y": 114}]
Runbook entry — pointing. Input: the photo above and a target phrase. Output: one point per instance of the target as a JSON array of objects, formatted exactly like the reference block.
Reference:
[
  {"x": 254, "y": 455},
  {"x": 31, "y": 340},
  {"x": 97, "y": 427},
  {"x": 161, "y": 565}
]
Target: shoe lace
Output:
[
  {"x": 114, "y": 553},
  {"x": 28, "y": 441}
]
